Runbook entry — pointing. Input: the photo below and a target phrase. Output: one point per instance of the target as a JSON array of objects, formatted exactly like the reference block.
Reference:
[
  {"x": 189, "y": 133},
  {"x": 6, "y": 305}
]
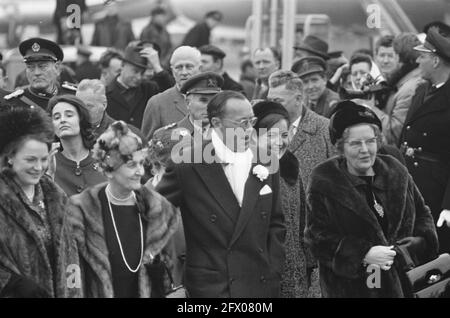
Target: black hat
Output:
[
  {"x": 265, "y": 108},
  {"x": 203, "y": 83},
  {"x": 19, "y": 121},
  {"x": 133, "y": 56},
  {"x": 347, "y": 114},
  {"x": 38, "y": 49},
  {"x": 309, "y": 65},
  {"x": 436, "y": 43},
  {"x": 443, "y": 28},
  {"x": 212, "y": 50},
  {"x": 315, "y": 46}
]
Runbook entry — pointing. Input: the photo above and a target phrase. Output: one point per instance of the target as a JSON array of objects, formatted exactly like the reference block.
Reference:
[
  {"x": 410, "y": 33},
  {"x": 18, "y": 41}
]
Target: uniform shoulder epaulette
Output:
[
  {"x": 16, "y": 93},
  {"x": 70, "y": 86}
]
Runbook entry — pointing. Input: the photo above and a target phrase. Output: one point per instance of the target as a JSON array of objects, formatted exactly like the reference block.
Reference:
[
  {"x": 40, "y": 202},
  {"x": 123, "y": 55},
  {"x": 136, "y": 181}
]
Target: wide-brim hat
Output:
[
  {"x": 314, "y": 45},
  {"x": 38, "y": 49},
  {"x": 133, "y": 56}
]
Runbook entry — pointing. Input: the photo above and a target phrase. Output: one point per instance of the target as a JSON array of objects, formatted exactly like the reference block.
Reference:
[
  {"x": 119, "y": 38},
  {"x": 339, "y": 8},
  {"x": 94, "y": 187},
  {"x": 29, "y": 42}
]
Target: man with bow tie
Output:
[
  {"x": 229, "y": 200},
  {"x": 426, "y": 133}
]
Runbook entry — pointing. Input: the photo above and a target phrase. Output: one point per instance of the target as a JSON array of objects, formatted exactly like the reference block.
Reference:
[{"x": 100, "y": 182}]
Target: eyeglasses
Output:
[
  {"x": 358, "y": 144},
  {"x": 244, "y": 123}
]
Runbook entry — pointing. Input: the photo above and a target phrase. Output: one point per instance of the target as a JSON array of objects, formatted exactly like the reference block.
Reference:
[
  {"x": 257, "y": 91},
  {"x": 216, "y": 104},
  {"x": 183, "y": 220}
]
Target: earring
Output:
[{"x": 10, "y": 162}]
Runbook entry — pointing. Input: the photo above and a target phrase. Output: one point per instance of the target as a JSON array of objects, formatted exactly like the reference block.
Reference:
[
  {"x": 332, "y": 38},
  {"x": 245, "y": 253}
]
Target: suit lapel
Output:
[
  {"x": 251, "y": 196},
  {"x": 217, "y": 184},
  {"x": 305, "y": 127}
]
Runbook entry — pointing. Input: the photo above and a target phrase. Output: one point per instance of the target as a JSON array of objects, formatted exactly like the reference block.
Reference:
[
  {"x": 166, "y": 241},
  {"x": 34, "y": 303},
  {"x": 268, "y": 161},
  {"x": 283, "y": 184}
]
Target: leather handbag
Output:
[{"x": 430, "y": 280}]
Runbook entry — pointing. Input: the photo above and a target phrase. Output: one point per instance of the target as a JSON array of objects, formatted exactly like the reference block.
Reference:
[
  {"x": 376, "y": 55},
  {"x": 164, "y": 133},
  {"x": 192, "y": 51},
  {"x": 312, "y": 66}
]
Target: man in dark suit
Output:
[
  {"x": 426, "y": 134},
  {"x": 212, "y": 61},
  {"x": 128, "y": 94},
  {"x": 233, "y": 223}
]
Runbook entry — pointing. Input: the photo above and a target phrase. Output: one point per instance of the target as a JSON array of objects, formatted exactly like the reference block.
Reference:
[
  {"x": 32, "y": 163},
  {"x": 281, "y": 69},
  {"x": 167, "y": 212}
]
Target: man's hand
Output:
[
  {"x": 153, "y": 58},
  {"x": 444, "y": 217}
]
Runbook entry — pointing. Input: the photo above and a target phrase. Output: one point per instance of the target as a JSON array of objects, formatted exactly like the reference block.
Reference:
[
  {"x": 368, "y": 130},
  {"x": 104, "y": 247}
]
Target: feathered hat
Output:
[
  {"x": 19, "y": 121},
  {"x": 116, "y": 146}
]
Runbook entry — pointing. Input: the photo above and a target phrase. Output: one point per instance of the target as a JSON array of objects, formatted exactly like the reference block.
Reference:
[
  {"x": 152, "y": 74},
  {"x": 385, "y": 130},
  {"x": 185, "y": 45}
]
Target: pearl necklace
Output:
[{"x": 117, "y": 233}]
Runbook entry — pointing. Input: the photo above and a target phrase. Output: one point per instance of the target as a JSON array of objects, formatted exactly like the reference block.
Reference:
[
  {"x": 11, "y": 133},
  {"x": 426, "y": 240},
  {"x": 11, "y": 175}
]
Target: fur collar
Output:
[{"x": 332, "y": 180}]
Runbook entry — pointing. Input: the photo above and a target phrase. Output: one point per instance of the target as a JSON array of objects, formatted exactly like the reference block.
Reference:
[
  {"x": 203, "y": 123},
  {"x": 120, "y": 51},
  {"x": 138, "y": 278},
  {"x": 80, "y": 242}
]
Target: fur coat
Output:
[
  {"x": 341, "y": 228},
  {"x": 22, "y": 249},
  {"x": 88, "y": 229}
]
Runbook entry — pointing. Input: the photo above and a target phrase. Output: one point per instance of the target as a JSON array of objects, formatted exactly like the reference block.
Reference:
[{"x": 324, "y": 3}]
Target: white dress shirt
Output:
[
  {"x": 294, "y": 128},
  {"x": 237, "y": 165}
]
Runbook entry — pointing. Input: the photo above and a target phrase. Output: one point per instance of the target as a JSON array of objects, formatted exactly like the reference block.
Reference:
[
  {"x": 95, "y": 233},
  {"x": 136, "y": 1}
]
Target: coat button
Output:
[
  {"x": 79, "y": 189},
  {"x": 231, "y": 281},
  {"x": 416, "y": 164},
  {"x": 263, "y": 279},
  {"x": 260, "y": 250},
  {"x": 419, "y": 149},
  {"x": 405, "y": 143},
  {"x": 264, "y": 215},
  {"x": 425, "y": 134},
  {"x": 213, "y": 218},
  {"x": 408, "y": 127},
  {"x": 132, "y": 119}
]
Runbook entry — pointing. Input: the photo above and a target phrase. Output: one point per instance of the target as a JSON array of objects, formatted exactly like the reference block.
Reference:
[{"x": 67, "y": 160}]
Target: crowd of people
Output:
[{"x": 160, "y": 170}]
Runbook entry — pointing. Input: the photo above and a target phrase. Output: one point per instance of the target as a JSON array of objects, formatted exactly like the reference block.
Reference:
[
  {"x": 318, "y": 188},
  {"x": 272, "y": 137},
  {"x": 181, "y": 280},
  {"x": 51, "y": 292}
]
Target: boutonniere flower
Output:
[{"x": 261, "y": 172}]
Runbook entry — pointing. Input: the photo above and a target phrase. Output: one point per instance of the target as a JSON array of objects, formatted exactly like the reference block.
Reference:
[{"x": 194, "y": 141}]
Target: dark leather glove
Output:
[
  {"x": 21, "y": 287},
  {"x": 416, "y": 247}
]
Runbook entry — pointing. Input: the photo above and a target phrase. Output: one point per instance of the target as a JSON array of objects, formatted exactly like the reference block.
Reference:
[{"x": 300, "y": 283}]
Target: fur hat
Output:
[
  {"x": 116, "y": 146},
  {"x": 18, "y": 121},
  {"x": 347, "y": 114}
]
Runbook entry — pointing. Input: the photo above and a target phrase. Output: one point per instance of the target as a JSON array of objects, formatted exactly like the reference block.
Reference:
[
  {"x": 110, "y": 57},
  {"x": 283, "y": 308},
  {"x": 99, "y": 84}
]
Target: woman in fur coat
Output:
[
  {"x": 122, "y": 228},
  {"x": 38, "y": 258},
  {"x": 300, "y": 275},
  {"x": 360, "y": 205}
]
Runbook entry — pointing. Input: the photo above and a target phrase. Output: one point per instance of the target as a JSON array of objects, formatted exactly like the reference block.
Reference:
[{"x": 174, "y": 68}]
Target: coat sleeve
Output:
[
  {"x": 424, "y": 223},
  {"x": 343, "y": 254},
  {"x": 151, "y": 120},
  {"x": 169, "y": 187},
  {"x": 277, "y": 229}
]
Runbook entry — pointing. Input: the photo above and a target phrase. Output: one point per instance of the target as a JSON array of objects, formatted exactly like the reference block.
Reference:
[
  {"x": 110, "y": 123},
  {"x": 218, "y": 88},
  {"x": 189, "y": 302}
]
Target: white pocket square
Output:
[{"x": 265, "y": 190}]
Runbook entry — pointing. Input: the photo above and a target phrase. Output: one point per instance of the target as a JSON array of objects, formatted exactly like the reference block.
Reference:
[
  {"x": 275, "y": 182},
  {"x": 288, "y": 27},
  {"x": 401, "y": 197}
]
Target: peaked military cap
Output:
[
  {"x": 212, "y": 50},
  {"x": 309, "y": 65},
  {"x": 203, "y": 83},
  {"x": 38, "y": 49},
  {"x": 436, "y": 43}
]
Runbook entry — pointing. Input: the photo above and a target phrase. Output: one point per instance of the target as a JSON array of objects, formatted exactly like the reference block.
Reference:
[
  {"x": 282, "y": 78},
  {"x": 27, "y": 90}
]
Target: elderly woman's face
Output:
[
  {"x": 360, "y": 149},
  {"x": 276, "y": 139},
  {"x": 29, "y": 162},
  {"x": 128, "y": 176},
  {"x": 66, "y": 120}
]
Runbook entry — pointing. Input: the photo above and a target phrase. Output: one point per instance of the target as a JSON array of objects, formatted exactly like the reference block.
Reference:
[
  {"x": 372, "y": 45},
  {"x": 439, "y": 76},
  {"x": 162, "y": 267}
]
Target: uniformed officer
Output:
[
  {"x": 426, "y": 135},
  {"x": 198, "y": 91},
  {"x": 43, "y": 60}
]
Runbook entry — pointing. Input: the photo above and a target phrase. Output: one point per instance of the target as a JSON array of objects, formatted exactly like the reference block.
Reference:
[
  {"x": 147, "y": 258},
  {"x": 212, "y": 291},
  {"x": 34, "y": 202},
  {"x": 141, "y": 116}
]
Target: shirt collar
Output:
[{"x": 225, "y": 154}]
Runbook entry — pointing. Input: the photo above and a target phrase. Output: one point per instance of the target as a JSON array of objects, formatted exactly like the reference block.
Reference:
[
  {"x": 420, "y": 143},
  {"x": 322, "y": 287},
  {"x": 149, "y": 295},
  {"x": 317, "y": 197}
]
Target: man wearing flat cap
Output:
[
  {"x": 43, "y": 60},
  {"x": 170, "y": 106},
  {"x": 312, "y": 71},
  {"x": 129, "y": 93},
  {"x": 212, "y": 61},
  {"x": 426, "y": 132}
]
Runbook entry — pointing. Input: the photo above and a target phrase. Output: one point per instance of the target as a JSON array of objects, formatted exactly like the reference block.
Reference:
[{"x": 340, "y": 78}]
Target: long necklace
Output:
[
  {"x": 376, "y": 205},
  {"x": 117, "y": 233}
]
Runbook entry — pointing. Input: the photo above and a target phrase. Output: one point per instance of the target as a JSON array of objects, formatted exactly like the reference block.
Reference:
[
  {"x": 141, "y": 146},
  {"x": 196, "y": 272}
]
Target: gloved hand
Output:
[{"x": 23, "y": 287}]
